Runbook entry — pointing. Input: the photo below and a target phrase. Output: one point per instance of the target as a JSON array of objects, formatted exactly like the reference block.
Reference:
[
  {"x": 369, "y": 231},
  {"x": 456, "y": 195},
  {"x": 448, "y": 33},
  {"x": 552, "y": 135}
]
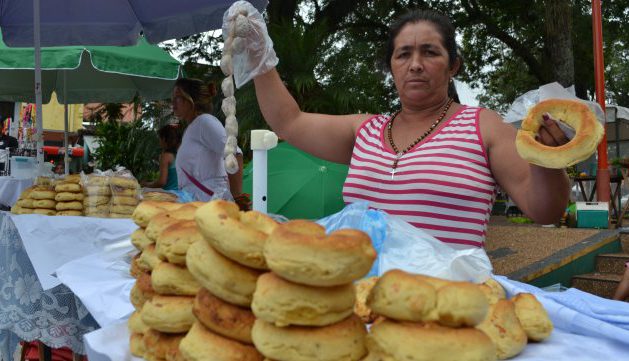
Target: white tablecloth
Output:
[{"x": 11, "y": 188}]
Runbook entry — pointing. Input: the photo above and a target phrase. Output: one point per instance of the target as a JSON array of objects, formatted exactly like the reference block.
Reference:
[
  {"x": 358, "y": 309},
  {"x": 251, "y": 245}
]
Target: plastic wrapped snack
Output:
[
  {"x": 97, "y": 194},
  {"x": 125, "y": 194}
]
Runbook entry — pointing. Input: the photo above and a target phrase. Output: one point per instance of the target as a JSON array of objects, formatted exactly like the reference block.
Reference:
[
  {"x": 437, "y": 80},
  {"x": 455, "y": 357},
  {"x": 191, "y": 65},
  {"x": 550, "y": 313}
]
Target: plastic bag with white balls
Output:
[{"x": 248, "y": 41}]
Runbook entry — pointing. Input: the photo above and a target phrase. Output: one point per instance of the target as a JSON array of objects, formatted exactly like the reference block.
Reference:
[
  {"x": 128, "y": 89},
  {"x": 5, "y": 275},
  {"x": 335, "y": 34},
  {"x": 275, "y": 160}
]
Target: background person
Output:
[
  {"x": 169, "y": 140},
  {"x": 200, "y": 163},
  {"x": 435, "y": 163}
]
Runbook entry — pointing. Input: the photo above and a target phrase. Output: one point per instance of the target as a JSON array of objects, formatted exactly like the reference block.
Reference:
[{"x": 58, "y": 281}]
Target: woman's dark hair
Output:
[
  {"x": 200, "y": 93},
  {"x": 171, "y": 135},
  {"x": 441, "y": 22}
]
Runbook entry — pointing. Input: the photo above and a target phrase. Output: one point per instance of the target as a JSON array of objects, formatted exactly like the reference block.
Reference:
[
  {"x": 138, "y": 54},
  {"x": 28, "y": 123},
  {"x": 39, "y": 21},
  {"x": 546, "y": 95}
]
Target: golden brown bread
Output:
[
  {"x": 135, "y": 323},
  {"x": 148, "y": 259},
  {"x": 171, "y": 279},
  {"x": 504, "y": 329},
  {"x": 363, "y": 288},
  {"x": 44, "y": 203},
  {"x": 532, "y": 316},
  {"x": 141, "y": 291},
  {"x": 301, "y": 252},
  {"x": 407, "y": 341},
  {"x": 69, "y": 206},
  {"x": 158, "y": 344},
  {"x": 172, "y": 244},
  {"x": 136, "y": 344},
  {"x": 589, "y": 133},
  {"x": 69, "y": 196},
  {"x": 148, "y": 209},
  {"x": 169, "y": 314},
  {"x": 286, "y": 303},
  {"x": 226, "y": 279},
  {"x": 493, "y": 290},
  {"x": 159, "y": 196},
  {"x": 139, "y": 239},
  {"x": 237, "y": 235},
  {"x": 158, "y": 224},
  {"x": 200, "y": 343},
  {"x": 223, "y": 318},
  {"x": 344, "y": 340}
]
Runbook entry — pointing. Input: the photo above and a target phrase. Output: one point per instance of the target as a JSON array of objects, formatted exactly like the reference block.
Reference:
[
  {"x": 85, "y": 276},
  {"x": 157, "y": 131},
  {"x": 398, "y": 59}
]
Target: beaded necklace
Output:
[{"x": 399, "y": 154}]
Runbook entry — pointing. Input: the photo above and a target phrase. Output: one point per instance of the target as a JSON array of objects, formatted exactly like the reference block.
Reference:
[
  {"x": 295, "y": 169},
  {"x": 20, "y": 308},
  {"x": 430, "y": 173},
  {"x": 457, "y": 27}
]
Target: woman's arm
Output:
[
  {"x": 330, "y": 137},
  {"x": 541, "y": 193},
  {"x": 165, "y": 159}
]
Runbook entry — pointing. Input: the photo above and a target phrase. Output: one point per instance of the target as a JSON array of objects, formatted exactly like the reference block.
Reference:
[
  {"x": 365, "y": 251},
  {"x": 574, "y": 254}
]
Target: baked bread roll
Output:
[
  {"x": 135, "y": 323},
  {"x": 94, "y": 190},
  {"x": 200, "y": 343},
  {"x": 136, "y": 345},
  {"x": 172, "y": 244},
  {"x": 407, "y": 341},
  {"x": 45, "y": 212},
  {"x": 26, "y": 203},
  {"x": 170, "y": 314},
  {"x": 589, "y": 133},
  {"x": 300, "y": 251},
  {"x": 223, "y": 318},
  {"x": 96, "y": 201},
  {"x": 44, "y": 203},
  {"x": 139, "y": 239},
  {"x": 158, "y": 224},
  {"x": 286, "y": 303},
  {"x": 170, "y": 279},
  {"x": 141, "y": 291},
  {"x": 409, "y": 297},
  {"x": 239, "y": 236},
  {"x": 42, "y": 193},
  {"x": 504, "y": 329},
  {"x": 68, "y": 187},
  {"x": 493, "y": 290},
  {"x": 224, "y": 278},
  {"x": 72, "y": 178},
  {"x": 70, "y": 213},
  {"x": 532, "y": 316},
  {"x": 135, "y": 269},
  {"x": 159, "y": 196},
  {"x": 124, "y": 182},
  {"x": 69, "y": 206},
  {"x": 121, "y": 209},
  {"x": 148, "y": 258},
  {"x": 158, "y": 344},
  {"x": 363, "y": 288},
  {"x": 124, "y": 201},
  {"x": 148, "y": 209},
  {"x": 97, "y": 180},
  {"x": 69, "y": 196},
  {"x": 343, "y": 340}
]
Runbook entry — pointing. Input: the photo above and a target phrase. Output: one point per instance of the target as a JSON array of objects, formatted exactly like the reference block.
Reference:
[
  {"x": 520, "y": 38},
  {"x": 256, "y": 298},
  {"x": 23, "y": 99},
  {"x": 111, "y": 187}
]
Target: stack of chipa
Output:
[
  {"x": 227, "y": 263},
  {"x": 24, "y": 204},
  {"x": 510, "y": 323},
  {"x": 42, "y": 201},
  {"x": 97, "y": 195},
  {"x": 427, "y": 318},
  {"x": 69, "y": 196},
  {"x": 124, "y": 196},
  {"x": 164, "y": 291},
  {"x": 304, "y": 307}
]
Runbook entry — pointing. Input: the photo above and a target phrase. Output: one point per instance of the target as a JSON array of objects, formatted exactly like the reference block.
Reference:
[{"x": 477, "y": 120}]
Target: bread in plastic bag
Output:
[{"x": 402, "y": 246}]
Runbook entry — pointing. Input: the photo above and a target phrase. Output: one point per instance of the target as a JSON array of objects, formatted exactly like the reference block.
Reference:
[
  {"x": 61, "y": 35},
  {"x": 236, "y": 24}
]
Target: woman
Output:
[
  {"x": 169, "y": 140},
  {"x": 200, "y": 166},
  {"x": 435, "y": 163}
]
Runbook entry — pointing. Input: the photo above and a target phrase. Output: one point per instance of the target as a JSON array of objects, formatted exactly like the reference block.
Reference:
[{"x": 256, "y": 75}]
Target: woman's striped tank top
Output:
[{"x": 443, "y": 185}]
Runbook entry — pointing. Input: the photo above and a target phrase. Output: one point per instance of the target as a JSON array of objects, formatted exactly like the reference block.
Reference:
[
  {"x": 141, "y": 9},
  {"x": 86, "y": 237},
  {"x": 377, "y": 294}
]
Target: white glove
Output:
[{"x": 247, "y": 41}]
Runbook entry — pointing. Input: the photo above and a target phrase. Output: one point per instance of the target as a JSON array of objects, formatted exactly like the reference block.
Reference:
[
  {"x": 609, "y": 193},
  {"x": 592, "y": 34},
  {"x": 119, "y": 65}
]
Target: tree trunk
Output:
[{"x": 559, "y": 41}]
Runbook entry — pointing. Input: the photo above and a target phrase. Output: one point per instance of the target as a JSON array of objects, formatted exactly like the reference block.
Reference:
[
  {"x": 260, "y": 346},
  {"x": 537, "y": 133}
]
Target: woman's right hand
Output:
[{"x": 252, "y": 52}]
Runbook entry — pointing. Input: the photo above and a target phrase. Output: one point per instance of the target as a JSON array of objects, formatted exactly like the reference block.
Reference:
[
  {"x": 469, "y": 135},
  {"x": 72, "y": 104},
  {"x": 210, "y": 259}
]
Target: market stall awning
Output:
[{"x": 92, "y": 73}]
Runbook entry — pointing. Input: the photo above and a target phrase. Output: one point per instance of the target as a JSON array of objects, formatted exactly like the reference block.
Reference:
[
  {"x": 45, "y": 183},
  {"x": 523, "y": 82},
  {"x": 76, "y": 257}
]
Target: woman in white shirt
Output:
[{"x": 200, "y": 166}]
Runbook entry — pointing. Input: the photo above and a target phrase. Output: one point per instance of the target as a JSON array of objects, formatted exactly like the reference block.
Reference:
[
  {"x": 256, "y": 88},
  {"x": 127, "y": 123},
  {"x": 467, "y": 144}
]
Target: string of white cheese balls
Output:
[{"x": 233, "y": 44}]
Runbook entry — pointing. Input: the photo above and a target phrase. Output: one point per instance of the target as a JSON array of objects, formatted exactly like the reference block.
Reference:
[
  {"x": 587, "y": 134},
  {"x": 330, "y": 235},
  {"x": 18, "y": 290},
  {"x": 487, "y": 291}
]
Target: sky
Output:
[{"x": 467, "y": 95}]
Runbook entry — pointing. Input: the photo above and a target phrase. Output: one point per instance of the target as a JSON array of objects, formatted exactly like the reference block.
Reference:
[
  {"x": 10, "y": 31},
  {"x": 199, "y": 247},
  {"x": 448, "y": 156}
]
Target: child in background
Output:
[{"x": 169, "y": 141}]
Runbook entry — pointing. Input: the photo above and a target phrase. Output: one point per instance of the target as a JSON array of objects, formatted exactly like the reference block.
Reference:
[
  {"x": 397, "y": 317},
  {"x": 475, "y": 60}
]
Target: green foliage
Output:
[{"x": 131, "y": 145}]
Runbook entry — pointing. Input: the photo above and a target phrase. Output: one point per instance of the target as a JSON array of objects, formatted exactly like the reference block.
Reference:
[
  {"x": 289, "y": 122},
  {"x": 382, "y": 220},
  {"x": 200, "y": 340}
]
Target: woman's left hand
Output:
[{"x": 550, "y": 134}]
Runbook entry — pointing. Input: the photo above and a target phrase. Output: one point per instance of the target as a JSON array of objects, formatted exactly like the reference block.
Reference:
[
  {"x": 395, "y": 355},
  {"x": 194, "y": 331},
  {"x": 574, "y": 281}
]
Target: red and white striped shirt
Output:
[{"x": 443, "y": 185}]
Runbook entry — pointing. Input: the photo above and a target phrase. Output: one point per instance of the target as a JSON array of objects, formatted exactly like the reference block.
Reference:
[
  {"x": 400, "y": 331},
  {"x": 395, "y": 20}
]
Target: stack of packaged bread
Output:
[
  {"x": 125, "y": 191},
  {"x": 164, "y": 291},
  {"x": 69, "y": 196},
  {"x": 227, "y": 262},
  {"x": 425, "y": 318},
  {"x": 97, "y": 195}
]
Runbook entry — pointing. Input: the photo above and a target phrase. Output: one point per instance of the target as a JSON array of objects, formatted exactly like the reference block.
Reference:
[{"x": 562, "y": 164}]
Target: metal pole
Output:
[
  {"x": 66, "y": 158},
  {"x": 602, "y": 174},
  {"x": 38, "y": 96}
]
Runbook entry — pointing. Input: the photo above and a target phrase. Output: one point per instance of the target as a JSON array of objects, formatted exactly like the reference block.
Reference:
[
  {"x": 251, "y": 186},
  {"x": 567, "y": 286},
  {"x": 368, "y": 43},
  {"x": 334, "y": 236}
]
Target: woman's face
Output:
[
  {"x": 182, "y": 107},
  {"x": 420, "y": 64}
]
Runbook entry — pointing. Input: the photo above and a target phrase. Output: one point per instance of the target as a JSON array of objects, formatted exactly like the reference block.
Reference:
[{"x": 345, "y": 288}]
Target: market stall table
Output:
[
  {"x": 56, "y": 317},
  {"x": 11, "y": 188}
]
